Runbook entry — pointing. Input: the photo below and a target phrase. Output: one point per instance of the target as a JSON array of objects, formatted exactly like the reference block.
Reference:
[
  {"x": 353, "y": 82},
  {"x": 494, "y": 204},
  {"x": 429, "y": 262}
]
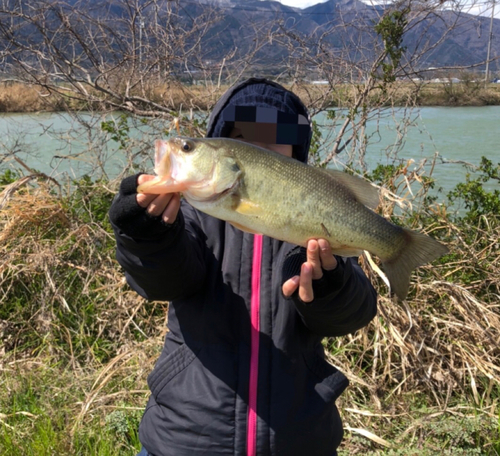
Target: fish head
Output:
[{"x": 198, "y": 168}]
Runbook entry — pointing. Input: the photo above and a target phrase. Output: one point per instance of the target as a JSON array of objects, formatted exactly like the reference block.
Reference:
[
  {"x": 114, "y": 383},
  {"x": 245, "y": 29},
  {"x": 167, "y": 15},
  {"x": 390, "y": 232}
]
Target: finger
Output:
[
  {"x": 170, "y": 213},
  {"x": 313, "y": 259},
  {"x": 290, "y": 286},
  {"x": 159, "y": 204},
  {"x": 143, "y": 199},
  {"x": 305, "y": 284},
  {"x": 328, "y": 260},
  {"x": 145, "y": 178}
]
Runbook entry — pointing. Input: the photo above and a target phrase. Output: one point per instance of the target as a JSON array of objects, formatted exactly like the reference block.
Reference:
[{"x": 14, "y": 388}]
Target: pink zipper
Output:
[{"x": 254, "y": 347}]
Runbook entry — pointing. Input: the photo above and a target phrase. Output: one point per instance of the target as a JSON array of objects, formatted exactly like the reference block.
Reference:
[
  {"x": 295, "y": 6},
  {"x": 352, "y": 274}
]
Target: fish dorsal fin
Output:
[{"x": 362, "y": 190}]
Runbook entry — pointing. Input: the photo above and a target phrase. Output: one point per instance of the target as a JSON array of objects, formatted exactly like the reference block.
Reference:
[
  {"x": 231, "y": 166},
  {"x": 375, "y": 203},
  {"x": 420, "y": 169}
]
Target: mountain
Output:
[
  {"x": 188, "y": 36},
  {"x": 344, "y": 28}
]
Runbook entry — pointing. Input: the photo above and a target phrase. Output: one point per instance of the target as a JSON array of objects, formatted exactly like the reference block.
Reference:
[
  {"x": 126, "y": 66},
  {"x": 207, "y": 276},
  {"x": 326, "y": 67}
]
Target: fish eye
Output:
[{"x": 187, "y": 146}]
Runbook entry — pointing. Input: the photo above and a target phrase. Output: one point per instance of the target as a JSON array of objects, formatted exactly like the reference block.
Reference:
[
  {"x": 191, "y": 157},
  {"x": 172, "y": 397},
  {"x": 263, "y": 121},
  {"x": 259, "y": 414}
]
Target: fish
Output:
[{"x": 263, "y": 192}]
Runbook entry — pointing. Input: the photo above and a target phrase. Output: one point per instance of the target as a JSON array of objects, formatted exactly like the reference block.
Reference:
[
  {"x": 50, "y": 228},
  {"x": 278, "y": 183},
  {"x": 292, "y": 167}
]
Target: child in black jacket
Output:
[{"x": 243, "y": 370}]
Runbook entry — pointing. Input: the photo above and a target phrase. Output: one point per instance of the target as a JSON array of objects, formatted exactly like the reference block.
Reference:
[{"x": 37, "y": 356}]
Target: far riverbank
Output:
[{"x": 25, "y": 98}]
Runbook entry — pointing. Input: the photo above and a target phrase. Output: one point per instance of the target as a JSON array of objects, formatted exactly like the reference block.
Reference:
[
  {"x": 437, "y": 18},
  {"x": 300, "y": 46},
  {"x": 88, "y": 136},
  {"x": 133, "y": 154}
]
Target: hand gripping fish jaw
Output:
[{"x": 182, "y": 167}]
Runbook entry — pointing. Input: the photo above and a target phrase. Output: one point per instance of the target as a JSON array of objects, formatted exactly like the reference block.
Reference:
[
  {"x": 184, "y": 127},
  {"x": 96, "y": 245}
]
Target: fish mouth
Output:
[
  {"x": 172, "y": 176},
  {"x": 163, "y": 160},
  {"x": 163, "y": 182}
]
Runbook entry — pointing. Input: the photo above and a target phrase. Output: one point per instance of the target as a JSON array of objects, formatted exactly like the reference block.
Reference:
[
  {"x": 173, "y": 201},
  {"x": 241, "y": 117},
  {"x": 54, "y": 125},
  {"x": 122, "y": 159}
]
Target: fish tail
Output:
[{"x": 418, "y": 250}]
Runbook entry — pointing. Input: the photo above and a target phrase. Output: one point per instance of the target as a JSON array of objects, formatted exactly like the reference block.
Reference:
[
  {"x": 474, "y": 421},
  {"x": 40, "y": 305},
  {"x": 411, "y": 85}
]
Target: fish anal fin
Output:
[
  {"x": 346, "y": 251},
  {"x": 363, "y": 191}
]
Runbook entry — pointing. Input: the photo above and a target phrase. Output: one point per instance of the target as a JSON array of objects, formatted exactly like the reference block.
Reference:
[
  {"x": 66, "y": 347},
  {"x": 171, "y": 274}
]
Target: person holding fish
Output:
[{"x": 243, "y": 369}]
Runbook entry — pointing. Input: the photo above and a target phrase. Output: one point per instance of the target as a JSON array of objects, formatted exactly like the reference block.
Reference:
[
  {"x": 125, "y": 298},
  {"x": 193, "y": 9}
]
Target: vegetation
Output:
[
  {"x": 77, "y": 343},
  {"x": 18, "y": 97}
]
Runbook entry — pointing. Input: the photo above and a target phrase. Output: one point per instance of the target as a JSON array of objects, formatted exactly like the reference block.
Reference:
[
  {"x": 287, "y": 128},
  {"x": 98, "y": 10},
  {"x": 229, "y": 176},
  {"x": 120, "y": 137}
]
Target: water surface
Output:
[{"x": 59, "y": 145}]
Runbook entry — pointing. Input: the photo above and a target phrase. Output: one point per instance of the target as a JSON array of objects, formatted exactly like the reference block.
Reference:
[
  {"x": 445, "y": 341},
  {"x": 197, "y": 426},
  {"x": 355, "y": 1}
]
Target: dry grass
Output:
[
  {"x": 439, "y": 348},
  {"x": 58, "y": 257},
  {"x": 76, "y": 343},
  {"x": 473, "y": 93},
  {"x": 17, "y": 97},
  {"x": 64, "y": 303},
  {"x": 173, "y": 95}
]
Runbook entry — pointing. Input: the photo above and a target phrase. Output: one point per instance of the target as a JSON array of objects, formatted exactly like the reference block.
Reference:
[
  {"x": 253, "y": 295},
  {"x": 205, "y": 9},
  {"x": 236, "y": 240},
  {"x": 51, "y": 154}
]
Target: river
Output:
[{"x": 58, "y": 145}]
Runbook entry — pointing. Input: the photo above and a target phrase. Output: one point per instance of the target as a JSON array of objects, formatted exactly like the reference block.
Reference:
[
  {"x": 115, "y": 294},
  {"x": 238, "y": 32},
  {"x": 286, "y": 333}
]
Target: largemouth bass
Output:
[{"x": 263, "y": 192}]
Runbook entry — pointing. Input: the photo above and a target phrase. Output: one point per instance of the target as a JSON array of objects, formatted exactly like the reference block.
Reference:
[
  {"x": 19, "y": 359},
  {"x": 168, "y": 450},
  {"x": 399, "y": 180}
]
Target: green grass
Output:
[
  {"x": 43, "y": 405},
  {"x": 42, "y": 411},
  {"x": 77, "y": 344},
  {"x": 461, "y": 430},
  {"x": 42, "y": 415}
]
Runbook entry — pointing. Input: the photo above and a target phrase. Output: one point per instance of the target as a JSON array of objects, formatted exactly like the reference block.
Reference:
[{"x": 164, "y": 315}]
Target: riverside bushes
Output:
[{"x": 77, "y": 343}]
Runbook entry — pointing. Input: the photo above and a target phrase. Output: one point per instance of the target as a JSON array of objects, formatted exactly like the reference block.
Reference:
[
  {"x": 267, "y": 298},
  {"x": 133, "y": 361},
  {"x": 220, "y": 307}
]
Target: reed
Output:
[
  {"x": 77, "y": 343},
  {"x": 173, "y": 95},
  {"x": 16, "y": 97}
]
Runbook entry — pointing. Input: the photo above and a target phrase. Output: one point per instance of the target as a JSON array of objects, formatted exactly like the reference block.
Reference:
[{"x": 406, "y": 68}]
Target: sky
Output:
[
  {"x": 482, "y": 7},
  {"x": 300, "y": 3}
]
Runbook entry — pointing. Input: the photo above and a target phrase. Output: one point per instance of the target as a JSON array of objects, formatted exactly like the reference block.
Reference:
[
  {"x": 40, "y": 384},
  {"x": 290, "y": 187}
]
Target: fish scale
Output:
[{"x": 261, "y": 191}]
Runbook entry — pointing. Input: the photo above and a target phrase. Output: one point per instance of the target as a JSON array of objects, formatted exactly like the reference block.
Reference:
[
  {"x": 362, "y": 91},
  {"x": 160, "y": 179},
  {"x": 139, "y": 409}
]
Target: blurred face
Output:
[{"x": 283, "y": 149}]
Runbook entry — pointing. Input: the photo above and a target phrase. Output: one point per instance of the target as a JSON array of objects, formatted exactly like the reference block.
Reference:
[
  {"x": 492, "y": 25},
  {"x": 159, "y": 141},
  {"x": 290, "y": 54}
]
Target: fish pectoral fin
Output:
[
  {"x": 243, "y": 228},
  {"x": 247, "y": 207}
]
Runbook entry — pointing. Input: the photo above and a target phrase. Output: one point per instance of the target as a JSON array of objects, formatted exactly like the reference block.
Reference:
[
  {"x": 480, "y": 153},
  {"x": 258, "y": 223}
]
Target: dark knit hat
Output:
[{"x": 269, "y": 105}]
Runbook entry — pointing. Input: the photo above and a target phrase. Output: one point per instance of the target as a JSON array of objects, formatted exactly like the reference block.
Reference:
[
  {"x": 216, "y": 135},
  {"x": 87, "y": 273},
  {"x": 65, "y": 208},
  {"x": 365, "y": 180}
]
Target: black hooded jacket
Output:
[{"x": 243, "y": 369}]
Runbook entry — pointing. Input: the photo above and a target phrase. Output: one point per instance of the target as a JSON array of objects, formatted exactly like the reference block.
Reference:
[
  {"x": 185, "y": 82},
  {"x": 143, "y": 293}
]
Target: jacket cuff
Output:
[
  {"x": 330, "y": 283},
  {"x": 142, "y": 247}
]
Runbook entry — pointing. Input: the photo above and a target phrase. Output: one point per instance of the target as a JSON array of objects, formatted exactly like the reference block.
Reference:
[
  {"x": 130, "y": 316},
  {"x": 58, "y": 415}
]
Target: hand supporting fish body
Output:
[{"x": 263, "y": 192}]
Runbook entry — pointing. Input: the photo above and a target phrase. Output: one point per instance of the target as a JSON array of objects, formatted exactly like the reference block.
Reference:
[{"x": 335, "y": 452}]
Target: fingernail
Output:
[
  {"x": 323, "y": 244},
  {"x": 312, "y": 246}
]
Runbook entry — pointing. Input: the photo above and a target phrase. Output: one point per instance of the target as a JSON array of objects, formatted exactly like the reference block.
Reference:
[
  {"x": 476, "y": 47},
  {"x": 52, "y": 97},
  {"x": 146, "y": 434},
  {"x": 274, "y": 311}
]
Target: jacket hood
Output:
[{"x": 261, "y": 93}]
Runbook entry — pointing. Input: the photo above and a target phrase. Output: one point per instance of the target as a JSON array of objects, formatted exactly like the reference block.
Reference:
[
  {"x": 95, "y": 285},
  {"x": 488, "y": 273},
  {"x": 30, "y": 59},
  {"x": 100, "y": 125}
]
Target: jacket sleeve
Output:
[
  {"x": 169, "y": 267},
  {"x": 344, "y": 299}
]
